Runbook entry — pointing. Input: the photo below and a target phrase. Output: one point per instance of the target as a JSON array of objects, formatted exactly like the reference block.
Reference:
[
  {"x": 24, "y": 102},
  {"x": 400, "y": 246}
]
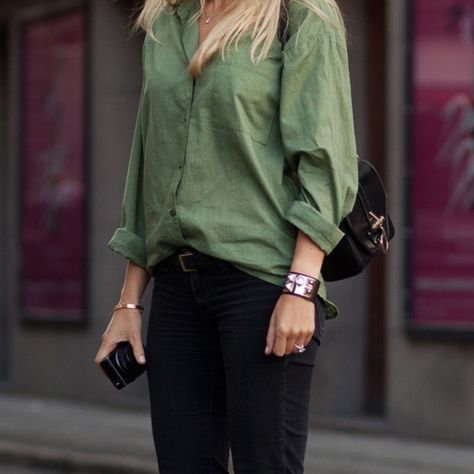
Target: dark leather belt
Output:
[{"x": 189, "y": 260}]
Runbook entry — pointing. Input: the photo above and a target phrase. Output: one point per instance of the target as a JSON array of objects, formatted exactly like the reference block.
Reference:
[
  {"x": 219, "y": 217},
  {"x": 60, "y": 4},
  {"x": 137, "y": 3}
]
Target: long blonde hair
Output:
[{"x": 261, "y": 17}]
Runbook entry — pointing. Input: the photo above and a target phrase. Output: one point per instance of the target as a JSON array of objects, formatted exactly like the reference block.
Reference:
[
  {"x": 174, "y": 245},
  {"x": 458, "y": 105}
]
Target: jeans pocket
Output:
[{"x": 320, "y": 316}]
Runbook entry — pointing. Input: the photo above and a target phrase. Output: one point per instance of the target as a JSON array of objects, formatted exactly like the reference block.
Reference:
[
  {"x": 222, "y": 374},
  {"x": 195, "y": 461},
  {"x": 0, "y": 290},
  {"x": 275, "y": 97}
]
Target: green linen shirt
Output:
[{"x": 235, "y": 162}]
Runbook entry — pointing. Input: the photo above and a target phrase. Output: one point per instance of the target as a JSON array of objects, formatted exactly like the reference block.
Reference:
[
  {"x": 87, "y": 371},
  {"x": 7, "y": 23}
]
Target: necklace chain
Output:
[{"x": 207, "y": 18}]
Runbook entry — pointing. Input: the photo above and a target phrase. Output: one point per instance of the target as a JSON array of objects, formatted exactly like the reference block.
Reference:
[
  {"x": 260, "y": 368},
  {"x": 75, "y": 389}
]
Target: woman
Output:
[{"x": 242, "y": 166}]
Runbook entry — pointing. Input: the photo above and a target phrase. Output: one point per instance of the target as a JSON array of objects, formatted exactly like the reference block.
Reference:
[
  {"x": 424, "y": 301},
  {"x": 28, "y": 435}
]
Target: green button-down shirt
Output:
[{"x": 235, "y": 162}]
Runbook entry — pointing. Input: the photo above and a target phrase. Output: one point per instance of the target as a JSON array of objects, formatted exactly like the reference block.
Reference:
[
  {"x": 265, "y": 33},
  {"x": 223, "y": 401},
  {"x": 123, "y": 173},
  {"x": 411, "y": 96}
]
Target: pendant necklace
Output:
[{"x": 207, "y": 18}]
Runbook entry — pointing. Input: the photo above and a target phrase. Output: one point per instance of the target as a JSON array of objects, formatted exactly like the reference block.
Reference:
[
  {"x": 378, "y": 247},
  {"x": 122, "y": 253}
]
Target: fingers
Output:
[
  {"x": 138, "y": 351},
  {"x": 309, "y": 335},
  {"x": 290, "y": 345},
  {"x": 105, "y": 349},
  {"x": 313, "y": 328},
  {"x": 301, "y": 341},
  {"x": 279, "y": 348},
  {"x": 123, "y": 326},
  {"x": 270, "y": 340},
  {"x": 289, "y": 328}
]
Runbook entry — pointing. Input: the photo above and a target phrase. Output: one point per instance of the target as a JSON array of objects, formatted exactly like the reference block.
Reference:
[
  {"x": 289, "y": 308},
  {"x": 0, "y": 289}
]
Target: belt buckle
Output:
[{"x": 182, "y": 262}]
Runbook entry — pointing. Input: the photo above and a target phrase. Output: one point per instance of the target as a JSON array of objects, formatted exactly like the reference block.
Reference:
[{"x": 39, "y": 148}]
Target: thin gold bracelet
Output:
[{"x": 129, "y": 306}]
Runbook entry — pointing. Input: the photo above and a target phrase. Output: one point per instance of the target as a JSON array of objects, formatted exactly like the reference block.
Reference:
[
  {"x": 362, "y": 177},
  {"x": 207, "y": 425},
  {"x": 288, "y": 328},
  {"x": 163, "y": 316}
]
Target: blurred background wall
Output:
[{"x": 70, "y": 77}]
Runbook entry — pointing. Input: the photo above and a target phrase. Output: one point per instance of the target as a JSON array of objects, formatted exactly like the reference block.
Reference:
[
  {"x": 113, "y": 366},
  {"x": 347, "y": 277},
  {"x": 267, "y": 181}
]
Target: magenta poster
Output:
[
  {"x": 53, "y": 179},
  {"x": 442, "y": 154}
]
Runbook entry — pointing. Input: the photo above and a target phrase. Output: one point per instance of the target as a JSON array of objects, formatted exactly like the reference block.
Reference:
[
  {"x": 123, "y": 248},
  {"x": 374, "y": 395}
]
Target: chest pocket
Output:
[{"x": 243, "y": 99}]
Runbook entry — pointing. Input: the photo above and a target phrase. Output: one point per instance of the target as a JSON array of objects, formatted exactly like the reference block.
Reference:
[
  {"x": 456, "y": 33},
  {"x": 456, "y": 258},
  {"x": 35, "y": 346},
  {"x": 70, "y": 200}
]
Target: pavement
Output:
[{"x": 51, "y": 436}]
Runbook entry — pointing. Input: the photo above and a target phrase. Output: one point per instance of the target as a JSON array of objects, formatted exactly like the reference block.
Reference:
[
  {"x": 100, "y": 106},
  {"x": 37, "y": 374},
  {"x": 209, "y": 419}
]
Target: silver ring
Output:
[{"x": 298, "y": 349}]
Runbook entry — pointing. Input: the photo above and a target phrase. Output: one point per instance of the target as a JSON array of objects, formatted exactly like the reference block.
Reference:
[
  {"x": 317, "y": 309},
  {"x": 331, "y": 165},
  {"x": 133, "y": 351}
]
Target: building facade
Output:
[{"x": 379, "y": 358}]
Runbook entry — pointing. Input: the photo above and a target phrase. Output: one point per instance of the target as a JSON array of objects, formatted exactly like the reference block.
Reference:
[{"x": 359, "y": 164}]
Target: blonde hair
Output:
[{"x": 261, "y": 17}]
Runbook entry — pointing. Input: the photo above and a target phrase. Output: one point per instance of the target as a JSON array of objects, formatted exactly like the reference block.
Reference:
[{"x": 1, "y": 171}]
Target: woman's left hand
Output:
[{"x": 292, "y": 322}]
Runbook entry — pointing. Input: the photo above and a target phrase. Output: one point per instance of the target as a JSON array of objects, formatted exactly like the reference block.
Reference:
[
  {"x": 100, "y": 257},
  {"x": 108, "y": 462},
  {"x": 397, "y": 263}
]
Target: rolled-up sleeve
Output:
[
  {"x": 129, "y": 239},
  {"x": 317, "y": 128}
]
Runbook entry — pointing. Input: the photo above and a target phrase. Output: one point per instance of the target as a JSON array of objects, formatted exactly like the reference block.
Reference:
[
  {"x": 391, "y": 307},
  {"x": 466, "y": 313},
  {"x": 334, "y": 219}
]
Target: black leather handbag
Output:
[{"x": 368, "y": 228}]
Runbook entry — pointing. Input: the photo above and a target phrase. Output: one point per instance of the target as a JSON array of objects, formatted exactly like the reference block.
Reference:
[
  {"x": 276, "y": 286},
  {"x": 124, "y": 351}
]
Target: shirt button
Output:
[
  {"x": 173, "y": 212},
  {"x": 180, "y": 167}
]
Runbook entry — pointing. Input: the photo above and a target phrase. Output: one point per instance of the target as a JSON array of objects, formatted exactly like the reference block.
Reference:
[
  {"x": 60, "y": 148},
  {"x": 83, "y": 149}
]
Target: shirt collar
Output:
[{"x": 185, "y": 9}]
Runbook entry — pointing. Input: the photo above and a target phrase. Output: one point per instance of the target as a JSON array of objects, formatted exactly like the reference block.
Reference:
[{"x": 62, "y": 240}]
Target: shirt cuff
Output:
[
  {"x": 311, "y": 222},
  {"x": 129, "y": 245}
]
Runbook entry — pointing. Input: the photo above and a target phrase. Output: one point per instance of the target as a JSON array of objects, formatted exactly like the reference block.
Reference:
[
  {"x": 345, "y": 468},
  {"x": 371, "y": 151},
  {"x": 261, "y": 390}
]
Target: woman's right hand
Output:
[{"x": 125, "y": 325}]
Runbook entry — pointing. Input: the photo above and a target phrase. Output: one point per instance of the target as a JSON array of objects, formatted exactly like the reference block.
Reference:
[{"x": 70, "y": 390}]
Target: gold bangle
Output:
[{"x": 129, "y": 306}]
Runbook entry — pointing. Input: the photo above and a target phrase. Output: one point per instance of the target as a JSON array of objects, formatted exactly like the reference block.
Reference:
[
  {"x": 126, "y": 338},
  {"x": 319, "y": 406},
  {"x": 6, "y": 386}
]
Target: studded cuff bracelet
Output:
[{"x": 299, "y": 284}]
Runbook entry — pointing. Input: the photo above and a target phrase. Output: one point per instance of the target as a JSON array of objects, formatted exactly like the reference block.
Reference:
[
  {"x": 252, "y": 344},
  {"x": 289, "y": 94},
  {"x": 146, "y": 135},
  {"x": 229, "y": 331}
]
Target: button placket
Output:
[{"x": 179, "y": 175}]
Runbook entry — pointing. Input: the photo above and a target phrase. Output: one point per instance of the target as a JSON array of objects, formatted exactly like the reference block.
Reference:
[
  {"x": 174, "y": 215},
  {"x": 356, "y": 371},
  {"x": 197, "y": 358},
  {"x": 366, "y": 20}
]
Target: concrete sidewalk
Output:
[{"x": 73, "y": 437}]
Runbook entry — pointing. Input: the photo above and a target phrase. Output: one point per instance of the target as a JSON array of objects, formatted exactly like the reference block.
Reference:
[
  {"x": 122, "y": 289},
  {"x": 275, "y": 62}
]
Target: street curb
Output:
[
  {"x": 72, "y": 461},
  {"x": 363, "y": 425}
]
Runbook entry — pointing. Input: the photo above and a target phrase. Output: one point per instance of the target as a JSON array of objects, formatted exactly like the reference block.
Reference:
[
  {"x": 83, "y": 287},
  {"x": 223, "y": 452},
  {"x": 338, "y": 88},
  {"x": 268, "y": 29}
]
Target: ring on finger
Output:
[{"x": 299, "y": 349}]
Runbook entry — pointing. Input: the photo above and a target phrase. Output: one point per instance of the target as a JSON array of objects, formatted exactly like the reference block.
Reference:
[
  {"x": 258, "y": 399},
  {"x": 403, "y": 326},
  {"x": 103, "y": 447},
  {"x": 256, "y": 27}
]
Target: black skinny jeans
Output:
[{"x": 212, "y": 388}]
